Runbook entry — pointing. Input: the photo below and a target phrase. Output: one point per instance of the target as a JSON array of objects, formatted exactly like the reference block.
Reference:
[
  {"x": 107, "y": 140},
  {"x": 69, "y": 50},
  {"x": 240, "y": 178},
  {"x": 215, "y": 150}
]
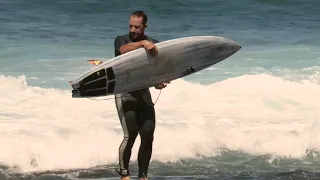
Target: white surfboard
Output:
[{"x": 137, "y": 69}]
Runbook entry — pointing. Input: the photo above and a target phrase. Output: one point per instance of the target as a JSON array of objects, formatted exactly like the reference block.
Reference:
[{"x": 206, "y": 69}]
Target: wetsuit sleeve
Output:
[
  {"x": 155, "y": 41},
  {"x": 118, "y": 42},
  {"x": 152, "y": 40}
]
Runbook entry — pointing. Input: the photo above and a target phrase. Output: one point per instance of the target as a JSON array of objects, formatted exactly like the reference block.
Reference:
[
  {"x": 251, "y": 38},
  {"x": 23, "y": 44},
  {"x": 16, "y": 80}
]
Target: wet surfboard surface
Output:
[{"x": 137, "y": 69}]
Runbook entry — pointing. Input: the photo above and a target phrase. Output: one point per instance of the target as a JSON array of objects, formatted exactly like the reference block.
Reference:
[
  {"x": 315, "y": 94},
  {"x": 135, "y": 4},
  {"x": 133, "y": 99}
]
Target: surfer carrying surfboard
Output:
[{"x": 136, "y": 109}]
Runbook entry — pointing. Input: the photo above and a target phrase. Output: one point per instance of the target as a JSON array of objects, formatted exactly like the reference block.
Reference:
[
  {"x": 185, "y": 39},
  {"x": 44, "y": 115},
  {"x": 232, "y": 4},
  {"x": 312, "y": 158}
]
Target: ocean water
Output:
[{"x": 253, "y": 116}]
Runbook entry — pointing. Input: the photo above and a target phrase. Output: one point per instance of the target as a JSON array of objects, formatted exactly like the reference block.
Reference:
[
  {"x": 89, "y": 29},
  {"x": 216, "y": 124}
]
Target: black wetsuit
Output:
[{"x": 137, "y": 116}]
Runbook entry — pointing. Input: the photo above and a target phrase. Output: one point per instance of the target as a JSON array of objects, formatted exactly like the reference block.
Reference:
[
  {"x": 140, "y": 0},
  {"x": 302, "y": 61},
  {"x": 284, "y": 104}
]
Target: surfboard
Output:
[{"x": 137, "y": 69}]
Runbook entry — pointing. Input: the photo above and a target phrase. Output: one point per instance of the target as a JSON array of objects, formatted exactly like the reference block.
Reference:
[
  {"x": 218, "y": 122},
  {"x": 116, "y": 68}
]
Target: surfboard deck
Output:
[{"x": 137, "y": 69}]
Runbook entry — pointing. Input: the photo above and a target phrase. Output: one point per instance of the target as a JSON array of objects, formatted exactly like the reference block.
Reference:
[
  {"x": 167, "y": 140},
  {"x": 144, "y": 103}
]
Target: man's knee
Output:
[
  {"x": 147, "y": 131},
  {"x": 129, "y": 140}
]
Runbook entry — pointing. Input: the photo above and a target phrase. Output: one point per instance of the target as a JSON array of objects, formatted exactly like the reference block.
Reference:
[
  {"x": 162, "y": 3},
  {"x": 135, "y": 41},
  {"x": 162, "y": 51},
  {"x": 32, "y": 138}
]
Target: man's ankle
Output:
[
  {"x": 125, "y": 178},
  {"x": 142, "y": 176}
]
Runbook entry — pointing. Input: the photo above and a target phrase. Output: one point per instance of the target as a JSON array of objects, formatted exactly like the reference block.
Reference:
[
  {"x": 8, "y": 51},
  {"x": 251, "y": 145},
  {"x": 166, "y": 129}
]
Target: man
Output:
[{"x": 136, "y": 109}]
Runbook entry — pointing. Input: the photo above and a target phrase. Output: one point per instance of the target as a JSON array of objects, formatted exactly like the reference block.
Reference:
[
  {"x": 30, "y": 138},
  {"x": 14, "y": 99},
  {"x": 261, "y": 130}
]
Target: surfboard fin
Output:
[{"x": 94, "y": 62}]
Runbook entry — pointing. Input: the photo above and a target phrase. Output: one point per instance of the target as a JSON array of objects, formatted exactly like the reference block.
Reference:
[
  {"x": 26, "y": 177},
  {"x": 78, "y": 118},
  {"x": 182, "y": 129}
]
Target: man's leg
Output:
[
  {"x": 128, "y": 119},
  {"x": 147, "y": 124}
]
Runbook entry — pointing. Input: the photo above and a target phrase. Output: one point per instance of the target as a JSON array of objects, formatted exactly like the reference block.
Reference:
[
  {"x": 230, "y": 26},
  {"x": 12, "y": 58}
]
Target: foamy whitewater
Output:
[
  {"x": 253, "y": 116},
  {"x": 45, "y": 129}
]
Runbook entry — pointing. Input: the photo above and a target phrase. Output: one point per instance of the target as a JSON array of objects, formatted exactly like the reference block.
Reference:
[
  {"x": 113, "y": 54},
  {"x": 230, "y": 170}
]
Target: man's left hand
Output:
[{"x": 150, "y": 47}]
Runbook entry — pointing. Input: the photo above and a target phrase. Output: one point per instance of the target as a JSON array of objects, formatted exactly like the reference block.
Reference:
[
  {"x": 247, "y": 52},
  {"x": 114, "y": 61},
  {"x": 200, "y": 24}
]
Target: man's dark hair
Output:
[{"x": 140, "y": 14}]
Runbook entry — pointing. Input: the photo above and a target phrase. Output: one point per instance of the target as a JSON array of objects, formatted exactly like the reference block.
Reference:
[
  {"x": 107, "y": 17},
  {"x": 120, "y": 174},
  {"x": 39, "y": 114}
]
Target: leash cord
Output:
[{"x": 119, "y": 97}]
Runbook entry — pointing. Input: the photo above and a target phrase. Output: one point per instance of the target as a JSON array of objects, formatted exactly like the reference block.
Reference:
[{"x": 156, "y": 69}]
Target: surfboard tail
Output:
[{"x": 98, "y": 83}]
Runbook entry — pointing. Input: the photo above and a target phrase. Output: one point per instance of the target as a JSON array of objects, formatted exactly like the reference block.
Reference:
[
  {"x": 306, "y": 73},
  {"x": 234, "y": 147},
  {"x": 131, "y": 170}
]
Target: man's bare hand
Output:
[
  {"x": 161, "y": 86},
  {"x": 150, "y": 47}
]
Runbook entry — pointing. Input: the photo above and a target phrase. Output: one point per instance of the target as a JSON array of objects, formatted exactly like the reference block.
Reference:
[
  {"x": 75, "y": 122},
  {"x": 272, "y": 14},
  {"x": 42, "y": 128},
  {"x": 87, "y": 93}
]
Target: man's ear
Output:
[{"x": 146, "y": 25}]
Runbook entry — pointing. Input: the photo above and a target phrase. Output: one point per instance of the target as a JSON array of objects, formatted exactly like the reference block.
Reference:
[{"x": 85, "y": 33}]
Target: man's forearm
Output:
[{"x": 131, "y": 46}]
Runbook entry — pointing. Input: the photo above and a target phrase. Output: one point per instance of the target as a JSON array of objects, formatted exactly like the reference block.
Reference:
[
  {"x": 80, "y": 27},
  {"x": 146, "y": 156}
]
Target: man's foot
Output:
[{"x": 125, "y": 178}]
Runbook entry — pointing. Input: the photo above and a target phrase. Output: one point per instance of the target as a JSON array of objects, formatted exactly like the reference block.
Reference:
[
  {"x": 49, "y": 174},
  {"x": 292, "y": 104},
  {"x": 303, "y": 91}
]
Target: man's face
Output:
[{"x": 136, "y": 27}]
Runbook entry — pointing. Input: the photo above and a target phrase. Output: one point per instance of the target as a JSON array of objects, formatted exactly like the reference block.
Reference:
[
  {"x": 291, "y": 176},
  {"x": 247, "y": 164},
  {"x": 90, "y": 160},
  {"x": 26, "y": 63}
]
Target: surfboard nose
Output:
[
  {"x": 237, "y": 46},
  {"x": 234, "y": 47},
  {"x": 225, "y": 47}
]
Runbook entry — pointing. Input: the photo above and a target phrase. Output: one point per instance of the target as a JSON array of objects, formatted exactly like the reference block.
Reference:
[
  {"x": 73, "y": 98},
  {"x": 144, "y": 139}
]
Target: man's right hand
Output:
[{"x": 150, "y": 47}]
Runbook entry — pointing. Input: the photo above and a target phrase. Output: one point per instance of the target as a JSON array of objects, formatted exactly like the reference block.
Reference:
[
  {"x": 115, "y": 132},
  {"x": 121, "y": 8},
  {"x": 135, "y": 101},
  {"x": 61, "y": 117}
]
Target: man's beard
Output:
[{"x": 134, "y": 36}]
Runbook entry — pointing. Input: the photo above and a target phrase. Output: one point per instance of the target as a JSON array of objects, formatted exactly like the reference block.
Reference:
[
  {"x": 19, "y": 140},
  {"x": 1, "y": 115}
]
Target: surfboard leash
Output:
[
  {"x": 125, "y": 95},
  {"x": 157, "y": 97}
]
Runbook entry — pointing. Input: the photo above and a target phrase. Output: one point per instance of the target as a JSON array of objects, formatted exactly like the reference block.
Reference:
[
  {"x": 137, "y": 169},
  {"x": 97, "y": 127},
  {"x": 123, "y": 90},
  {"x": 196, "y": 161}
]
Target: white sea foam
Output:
[{"x": 46, "y": 129}]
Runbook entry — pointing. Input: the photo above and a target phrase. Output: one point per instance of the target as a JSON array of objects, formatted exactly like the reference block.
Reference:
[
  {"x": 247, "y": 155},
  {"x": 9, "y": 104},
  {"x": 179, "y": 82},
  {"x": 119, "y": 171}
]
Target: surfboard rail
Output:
[{"x": 137, "y": 69}]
